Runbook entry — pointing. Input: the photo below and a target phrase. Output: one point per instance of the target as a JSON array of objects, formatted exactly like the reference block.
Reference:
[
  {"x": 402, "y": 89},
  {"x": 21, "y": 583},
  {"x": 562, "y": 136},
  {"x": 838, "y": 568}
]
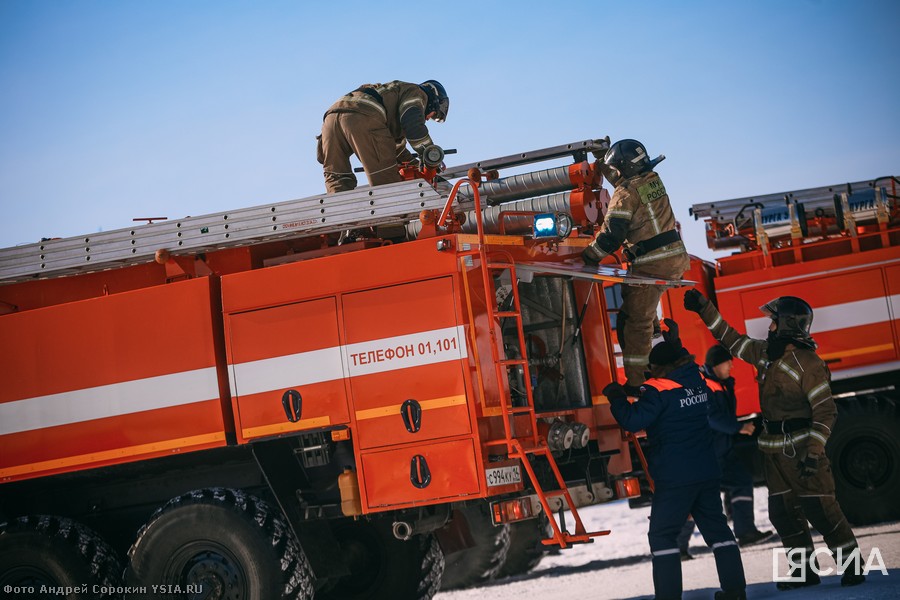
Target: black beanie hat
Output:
[
  {"x": 717, "y": 355},
  {"x": 664, "y": 353}
]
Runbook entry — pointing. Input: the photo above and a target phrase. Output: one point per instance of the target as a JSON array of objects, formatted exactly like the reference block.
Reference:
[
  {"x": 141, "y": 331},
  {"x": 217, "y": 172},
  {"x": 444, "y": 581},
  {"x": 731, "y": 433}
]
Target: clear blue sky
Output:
[{"x": 111, "y": 110}]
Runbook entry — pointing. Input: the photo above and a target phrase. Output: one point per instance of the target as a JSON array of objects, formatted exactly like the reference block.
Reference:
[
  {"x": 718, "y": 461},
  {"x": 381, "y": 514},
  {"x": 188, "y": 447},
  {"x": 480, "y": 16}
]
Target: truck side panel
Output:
[
  {"x": 387, "y": 357},
  {"x": 108, "y": 380}
]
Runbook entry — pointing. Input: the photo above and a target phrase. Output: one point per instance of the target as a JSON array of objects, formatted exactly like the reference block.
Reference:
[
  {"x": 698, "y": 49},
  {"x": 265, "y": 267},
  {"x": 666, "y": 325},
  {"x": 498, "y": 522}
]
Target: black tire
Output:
[
  {"x": 481, "y": 563},
  {"x": 232, "y": 544},
  {"x": 381, "y": 566},
  {"x": 56, "y": 552},
  {"x": 525, "y": 548},
  {"x": 864, "y": 450}
]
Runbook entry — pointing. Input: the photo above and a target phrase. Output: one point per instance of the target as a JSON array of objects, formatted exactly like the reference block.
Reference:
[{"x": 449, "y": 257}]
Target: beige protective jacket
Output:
[
  {"x": 639, "y": 211},
  {"x": 402, "y": 107},
  {"x": 796, "y": 386}
]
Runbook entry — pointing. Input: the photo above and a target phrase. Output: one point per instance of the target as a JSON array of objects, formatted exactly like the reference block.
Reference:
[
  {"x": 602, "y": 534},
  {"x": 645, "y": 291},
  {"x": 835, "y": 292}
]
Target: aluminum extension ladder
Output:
[{"x": 362, "y": 207}]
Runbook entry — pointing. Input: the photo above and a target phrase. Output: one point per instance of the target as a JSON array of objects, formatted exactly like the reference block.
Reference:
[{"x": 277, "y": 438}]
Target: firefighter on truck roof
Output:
[
  {"x": 798, "y": 414},
  {"x": 640, "y": 217},
  {"x": 673, "y": 409},
  {"x": 375, "y": 122}
]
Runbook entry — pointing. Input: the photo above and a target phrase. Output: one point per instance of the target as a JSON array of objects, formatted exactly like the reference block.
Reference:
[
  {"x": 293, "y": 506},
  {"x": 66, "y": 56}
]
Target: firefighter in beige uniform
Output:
[
  {"x": 798, "y": 414},
  {"x": 640, "y": 217},
  {"x": 375, "y": 122}
]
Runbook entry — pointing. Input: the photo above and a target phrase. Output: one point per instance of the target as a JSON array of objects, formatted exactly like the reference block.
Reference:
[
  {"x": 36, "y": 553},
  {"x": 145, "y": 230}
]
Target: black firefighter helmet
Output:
[
  {"x": 793, "y": 318},
  {"x": 438, "y": 100},
  {"x": 627, "y": 159}
]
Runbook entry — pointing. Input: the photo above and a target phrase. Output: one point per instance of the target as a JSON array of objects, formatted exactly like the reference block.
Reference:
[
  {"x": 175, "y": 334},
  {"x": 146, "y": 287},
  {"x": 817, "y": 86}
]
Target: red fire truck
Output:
[
  {"x": 319, "y": 396},
  {"x": 838, "y": 248}
]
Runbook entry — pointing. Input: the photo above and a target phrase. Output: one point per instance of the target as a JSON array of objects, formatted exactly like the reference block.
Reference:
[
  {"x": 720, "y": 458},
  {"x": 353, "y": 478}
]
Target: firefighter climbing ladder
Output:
[{"x": 528, "y": 447}]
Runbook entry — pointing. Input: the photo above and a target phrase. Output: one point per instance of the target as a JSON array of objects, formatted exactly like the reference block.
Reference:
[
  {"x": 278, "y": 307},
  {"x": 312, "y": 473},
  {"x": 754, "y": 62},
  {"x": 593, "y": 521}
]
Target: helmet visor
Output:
[
  {"x": 770, "y": 309},
  {"x": 441, "y": 109}
]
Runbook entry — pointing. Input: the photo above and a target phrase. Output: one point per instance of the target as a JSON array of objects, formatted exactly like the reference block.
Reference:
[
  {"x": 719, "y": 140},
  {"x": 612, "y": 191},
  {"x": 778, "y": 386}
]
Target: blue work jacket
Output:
[{"x": 674, "y": 413}]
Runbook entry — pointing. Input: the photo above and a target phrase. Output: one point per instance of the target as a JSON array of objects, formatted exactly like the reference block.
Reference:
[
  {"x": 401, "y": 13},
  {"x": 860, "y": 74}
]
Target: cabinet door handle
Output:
[
  {"x": 293, "y": 405},
  {"x": 419, "y": 473},
  {"x": 411, "y": 411}
]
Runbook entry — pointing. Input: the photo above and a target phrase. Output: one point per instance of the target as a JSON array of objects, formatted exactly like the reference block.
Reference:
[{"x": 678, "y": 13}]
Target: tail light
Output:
[
  {"x": 509, "y": 511},
  {"x": 628, "y": 487}
]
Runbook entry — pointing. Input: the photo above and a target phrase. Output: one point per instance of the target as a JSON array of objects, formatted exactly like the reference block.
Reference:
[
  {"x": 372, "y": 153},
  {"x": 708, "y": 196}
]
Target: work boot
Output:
[
  {"x": 731, "y": 595},
  {"x": 851, "y": 578},
  {"x": 685, "y": 555},
  {"x": 811, "y": 579},
  {"x": 754, "y": 537}
]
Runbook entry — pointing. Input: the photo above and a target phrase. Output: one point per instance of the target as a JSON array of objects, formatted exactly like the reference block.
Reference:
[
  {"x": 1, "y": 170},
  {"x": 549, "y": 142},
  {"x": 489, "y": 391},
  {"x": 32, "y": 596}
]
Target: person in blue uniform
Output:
[
  {"x": 737, "y": 480},
  {"x": 673, "y": 410}
]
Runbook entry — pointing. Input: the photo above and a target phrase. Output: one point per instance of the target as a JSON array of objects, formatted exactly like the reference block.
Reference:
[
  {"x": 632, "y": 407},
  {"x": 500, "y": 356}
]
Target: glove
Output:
[
  {"x": 671, "y": 335},
  {"x": 694, "y": 301},
  {"x": 591, "y": 256},
  {"x": 614, "y": 391},
  {"x": 808, "y": 467}
]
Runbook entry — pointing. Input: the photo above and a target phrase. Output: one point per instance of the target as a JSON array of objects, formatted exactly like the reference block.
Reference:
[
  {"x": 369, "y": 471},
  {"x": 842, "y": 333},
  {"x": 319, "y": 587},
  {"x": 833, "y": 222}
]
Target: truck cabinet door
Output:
[
  {"x": 285, "y": 368},
  {"x": 406, "y": 354}
]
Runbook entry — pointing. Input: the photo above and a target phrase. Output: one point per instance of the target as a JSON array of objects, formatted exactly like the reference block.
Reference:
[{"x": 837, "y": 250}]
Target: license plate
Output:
[{"x": 503, "y": 476}]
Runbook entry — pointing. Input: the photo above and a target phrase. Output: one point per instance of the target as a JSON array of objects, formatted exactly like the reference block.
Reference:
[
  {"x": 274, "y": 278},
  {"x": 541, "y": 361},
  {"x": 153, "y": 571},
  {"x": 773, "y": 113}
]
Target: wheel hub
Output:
[
  {"x": 867, "y": 464},
  {"x": 206, "y": 571}
]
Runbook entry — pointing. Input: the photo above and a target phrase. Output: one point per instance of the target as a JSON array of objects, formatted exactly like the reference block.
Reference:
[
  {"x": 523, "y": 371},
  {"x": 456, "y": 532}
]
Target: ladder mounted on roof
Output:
[
  {"x": 193, "y": 235},
  {"x": 755, "y": 221},
  {"x": 398, "y": 203}
]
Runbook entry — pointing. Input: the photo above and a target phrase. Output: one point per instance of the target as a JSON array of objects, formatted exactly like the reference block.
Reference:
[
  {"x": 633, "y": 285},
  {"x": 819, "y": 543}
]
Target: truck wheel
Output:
[
  {"x": 525, "y": 547},
  {"x": 482, "y": 562},
  {"x": 57, "y": 552},
  {"x": 220, "y": 543},
  {"x": 381, "y": 566},
  {"x": 865, "y": 455}
]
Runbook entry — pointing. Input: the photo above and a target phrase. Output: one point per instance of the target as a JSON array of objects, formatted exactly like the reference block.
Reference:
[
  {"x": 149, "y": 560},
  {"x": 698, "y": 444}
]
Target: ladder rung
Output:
[
  {"x": 512, "y": 362},
  {"x": 508, "y": 313},
  {"x": 519, "y": 410},
  {"x": 501, "y": 265},
  {"x": 526, "y": 450},
  {"x": 572, "y": 539},
  {"x": 554, "y": 493}
]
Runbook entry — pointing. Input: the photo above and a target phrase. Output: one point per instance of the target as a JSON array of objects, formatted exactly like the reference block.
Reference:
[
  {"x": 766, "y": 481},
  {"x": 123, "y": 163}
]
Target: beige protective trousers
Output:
[
  {"x": 795, "y": 500},
  {"x": 637, "y": 316},
  {"x": 347, "y": 133}
]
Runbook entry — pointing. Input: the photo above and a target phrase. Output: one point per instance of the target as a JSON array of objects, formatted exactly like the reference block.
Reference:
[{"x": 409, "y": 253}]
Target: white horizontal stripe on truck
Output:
[
  {"x": 253, "y": 377},
  {"x": 111, "y": 400}
]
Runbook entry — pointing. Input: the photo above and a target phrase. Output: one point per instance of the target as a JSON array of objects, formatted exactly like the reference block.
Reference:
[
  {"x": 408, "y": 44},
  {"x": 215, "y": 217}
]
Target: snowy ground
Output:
[{"x": 617, "y": 566}]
